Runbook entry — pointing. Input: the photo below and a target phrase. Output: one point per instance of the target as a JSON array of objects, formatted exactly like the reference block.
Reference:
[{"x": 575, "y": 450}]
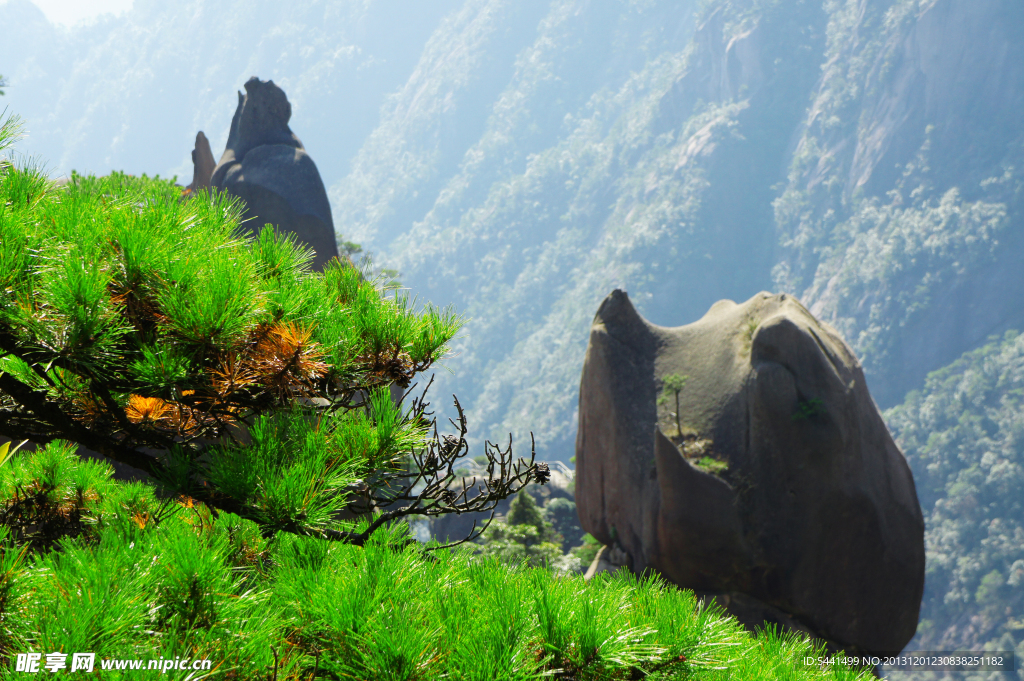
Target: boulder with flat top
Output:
[{"x": 777, "y": 491}]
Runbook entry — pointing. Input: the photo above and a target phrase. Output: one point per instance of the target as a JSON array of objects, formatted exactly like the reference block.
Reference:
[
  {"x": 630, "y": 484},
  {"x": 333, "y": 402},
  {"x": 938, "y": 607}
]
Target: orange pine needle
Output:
[{"x": 149, "y": 409}]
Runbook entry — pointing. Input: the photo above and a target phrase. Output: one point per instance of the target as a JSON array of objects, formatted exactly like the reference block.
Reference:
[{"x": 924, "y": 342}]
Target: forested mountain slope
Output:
[
  {"x": 623, "y": 144},
  {"x": 963, "y": 435},
  {"x": 900, "y": 223},
  {"x": 863, "y": 155}
]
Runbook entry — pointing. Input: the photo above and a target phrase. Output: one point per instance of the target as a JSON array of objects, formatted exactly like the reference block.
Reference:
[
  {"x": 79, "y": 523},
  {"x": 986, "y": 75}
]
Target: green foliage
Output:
[
  {"x": 516, "y": 544},
  {"x": 961, "y": 435},
  {"x": 538, "y": 535},
  {"x": 147, "y": 319},
  {"x": 147, "y": 577},
  {"x": 136, "y": 577},
  {"x": 294, "y": 466},
  {"x": 808, "y": 409},
  {"x": 524, "y": 511},
  {"x": 990, "y": 588},
  {"x": 749, "y": 328},
  {"x": 3, "y": 84},
  {"x": 713, "y": 466},
  {"x": 672, "y": 385},
  {"x": 587, "y": 551},
  {"x": 525, "y": 536},
  {"x": 581, "y": 632},
  {"x": 10, "y": 130}
]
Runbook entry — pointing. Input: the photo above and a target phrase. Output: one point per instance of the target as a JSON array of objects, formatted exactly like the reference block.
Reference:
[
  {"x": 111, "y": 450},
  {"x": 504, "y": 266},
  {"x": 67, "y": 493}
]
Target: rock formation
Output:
[
  {"x": 265, "y": 164},
  {"x": 783, "y": 495},
  {"x": 202, "y": 164}
]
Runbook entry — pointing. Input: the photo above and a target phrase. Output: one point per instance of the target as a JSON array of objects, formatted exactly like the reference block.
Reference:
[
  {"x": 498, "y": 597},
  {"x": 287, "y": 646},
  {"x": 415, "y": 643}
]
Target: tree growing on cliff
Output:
[
  {"x": 144, "y": 327},
  {"x": 672, "y": 385}
]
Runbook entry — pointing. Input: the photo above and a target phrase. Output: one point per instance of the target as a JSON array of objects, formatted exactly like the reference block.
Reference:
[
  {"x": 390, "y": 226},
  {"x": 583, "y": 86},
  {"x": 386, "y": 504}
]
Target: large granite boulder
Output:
[
  {"x": 780, "y": 491},
  {"x": 265, "y": 164}
]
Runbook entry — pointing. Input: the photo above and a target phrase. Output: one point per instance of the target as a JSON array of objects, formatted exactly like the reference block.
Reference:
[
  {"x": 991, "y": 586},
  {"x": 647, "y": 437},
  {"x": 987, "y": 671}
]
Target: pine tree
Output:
[
  {"x": 524, "y": 536},
  {"x": 145, "y": 326},
  {"x": 672, "y": 385},
  {"x": 524, "y": 511}
]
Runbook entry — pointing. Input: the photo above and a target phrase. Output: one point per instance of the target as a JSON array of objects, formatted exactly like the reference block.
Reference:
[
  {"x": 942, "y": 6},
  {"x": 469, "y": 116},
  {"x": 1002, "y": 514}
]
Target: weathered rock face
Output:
[
  {"x": 265, "y": 164},
  {"x": 202, "y": 163},
  {"x": 811, "y": 512}
]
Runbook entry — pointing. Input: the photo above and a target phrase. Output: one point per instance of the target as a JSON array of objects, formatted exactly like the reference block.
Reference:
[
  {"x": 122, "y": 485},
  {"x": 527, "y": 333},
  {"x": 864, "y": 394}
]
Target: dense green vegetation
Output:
[
  {"x": 144, "y": 578},
  {"x": 525, "y": 536},
  {"x": 963, "y": 435},
  {"x": 148, "y": 326}
]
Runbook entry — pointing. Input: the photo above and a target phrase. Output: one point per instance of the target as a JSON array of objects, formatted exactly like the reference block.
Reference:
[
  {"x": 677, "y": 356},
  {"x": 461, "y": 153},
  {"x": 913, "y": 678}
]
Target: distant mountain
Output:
[
  {"x": 900, "y": 221},
  {"x": 544, "y": 153},
  {"x": 130, "y": 92},
  {"x": 865, "y": 156}
]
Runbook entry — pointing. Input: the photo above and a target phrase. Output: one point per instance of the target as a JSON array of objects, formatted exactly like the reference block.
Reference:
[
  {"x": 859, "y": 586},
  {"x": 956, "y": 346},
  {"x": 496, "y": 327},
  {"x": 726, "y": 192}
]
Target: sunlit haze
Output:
[{"x": 70, "y": 12}]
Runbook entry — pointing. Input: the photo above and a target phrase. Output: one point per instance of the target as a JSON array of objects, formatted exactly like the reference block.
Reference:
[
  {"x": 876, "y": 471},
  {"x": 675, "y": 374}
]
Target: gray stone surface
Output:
[
  {"x": 265, "y": 165},
  {"x": 202, "y": 163},
  {"x": 815, "y": 517}
]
